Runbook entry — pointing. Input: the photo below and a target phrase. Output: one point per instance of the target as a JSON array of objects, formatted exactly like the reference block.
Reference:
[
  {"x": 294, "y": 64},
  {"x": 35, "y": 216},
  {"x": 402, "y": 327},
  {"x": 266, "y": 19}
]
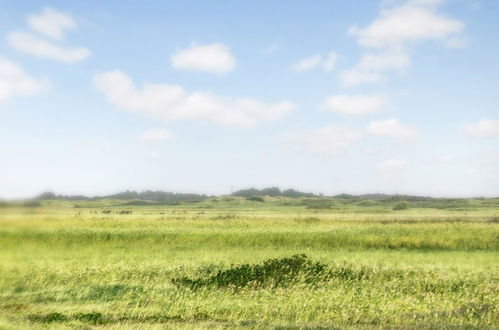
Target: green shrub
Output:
[
  {"x": 270, "y": 273},
  {"x": 224, "y": 217},
  {"x": 255, "y": 199},
  {"x": 31, "y": 204},
  {"x": 401, "y": 206},
  {"x": 308, "y": 220},
  {"x": 48, "y": 318},
  {"x": 140, "y": 203},
  {"x": 4, "y": 204},
  {"x": 92, "y": 318},
  {"x": 318, "y": 203},
  {"x": 367, "y": 202}
]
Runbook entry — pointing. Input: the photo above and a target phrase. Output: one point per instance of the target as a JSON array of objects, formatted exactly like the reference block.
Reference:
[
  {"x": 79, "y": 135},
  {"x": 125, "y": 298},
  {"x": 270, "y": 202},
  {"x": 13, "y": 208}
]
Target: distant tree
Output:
[
  {"x": 344, "y": 196},
  {"x": 47, "y": 195},
  {"x": 272, "y": 191},
  {"x": 296, "y": 193},
  {"x": 159, "y": 196},
  {"x": 148, "y": 195}
]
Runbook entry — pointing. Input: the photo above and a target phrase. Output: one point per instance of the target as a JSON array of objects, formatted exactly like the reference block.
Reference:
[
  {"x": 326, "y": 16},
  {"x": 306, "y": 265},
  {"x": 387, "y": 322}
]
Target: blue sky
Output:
[{"x": 391, "y": 96}]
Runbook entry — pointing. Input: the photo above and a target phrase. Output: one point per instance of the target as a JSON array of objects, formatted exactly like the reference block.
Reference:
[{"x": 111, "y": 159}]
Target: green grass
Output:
[{"x": 231, "y": 263}]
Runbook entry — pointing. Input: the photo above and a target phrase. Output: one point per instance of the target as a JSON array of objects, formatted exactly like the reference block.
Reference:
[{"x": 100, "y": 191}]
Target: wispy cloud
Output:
[
  {"x": 15, "y": 82},
  {"x": 397, "y": 28},
  {"x": 30, "y": 44},
  {"x": 392, "y": 128},
  {"x": 327, "y": 63},
  {"x": 271, "y": 49},
  {"x": 353, "y": 104},
  {"x": 51, "y": 24},
  {"x": 214, "y": 58},
  {"x": 486, "y": 129},
  {"x": 330, "y": 140},
  {"x": 411, "y": 22},
  {"x": 171, "y": 102}
]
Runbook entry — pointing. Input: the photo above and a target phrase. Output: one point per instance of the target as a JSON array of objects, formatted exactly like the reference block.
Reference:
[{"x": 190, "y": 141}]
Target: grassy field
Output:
[{"x": 227, "y": 262}]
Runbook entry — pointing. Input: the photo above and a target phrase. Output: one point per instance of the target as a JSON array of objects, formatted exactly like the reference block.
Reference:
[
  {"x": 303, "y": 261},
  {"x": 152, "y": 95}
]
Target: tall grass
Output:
[{"x": 232, "y": 266}]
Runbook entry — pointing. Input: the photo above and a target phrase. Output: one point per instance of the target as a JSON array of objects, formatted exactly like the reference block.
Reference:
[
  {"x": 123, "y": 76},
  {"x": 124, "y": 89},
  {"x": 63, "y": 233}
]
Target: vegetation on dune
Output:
[
  {"x": 270, "y": 273},
  {"x": 255, "y": 199},
  {"x": 273, "y": 196},
  {"x": 401, "y": 206},
  {"x": 234, "y": 262},
  {"x": 148, "y": 195},
  {"x": 272, "y": 191}
]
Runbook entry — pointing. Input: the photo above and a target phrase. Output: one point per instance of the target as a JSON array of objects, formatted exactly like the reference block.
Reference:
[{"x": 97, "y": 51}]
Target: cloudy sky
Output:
[{"x": 391, "y": 96}]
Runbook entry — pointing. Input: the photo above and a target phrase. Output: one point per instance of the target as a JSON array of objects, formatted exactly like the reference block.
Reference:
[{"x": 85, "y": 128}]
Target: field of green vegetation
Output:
[{"x": 253, "y": 262}]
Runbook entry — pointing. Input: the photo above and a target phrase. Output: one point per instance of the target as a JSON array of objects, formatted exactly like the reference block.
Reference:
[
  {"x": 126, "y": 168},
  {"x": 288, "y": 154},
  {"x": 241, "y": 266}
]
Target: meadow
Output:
[{"x": 254, "y": 263}]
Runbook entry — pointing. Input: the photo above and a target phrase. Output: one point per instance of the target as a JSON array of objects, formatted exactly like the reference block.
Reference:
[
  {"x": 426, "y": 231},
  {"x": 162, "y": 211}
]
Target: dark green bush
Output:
[
  {"x": 92, "y": 318},
  {"x": 401, "y": 206},
  {"x": 4, "y": 204},
  {"x": 224, "y": 217},
  {"x": 318, "y": 203},
  {"x": 31, "y": 204},
  {"x": 48, "y": 318},
  {"x": 308, "y": 220},
  {"x": 272, "y": 272},
  {"x": 255, "y": 199}
]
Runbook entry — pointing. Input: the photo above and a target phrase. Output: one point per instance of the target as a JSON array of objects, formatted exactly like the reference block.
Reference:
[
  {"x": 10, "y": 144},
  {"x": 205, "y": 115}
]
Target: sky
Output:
[{"x": 388, "y": 96}]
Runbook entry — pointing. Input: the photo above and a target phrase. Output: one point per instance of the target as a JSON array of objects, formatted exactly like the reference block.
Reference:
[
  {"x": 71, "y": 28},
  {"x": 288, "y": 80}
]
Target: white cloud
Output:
[
  {"x": 331, "y": 140},
  {"x": 394, "y": 58},
  {"x": 483, "y": 129},
  {"x": 355, "y": 77},
  {"x": 414, "y": 21},
  {"x": 14, "y": 81},
  {"x": 328, "y": 63},
  {"x": 271, "y": 49},
  {"x": 353, "y": 105},
  {"x": 391, "y": 128},
  {"x": 31, "y": 44},
  {"x": 396, "y": 28},
  {"x": 308, "y": 63},
  {"x": 156, "y": 135},
  {"x": 392, "y": 165},
  {"x": 215, "y": 58},
  {"x": 52, "y": 23},
  {"x": 170, "y": 102},
  {"x": 372, "y": 65}
]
